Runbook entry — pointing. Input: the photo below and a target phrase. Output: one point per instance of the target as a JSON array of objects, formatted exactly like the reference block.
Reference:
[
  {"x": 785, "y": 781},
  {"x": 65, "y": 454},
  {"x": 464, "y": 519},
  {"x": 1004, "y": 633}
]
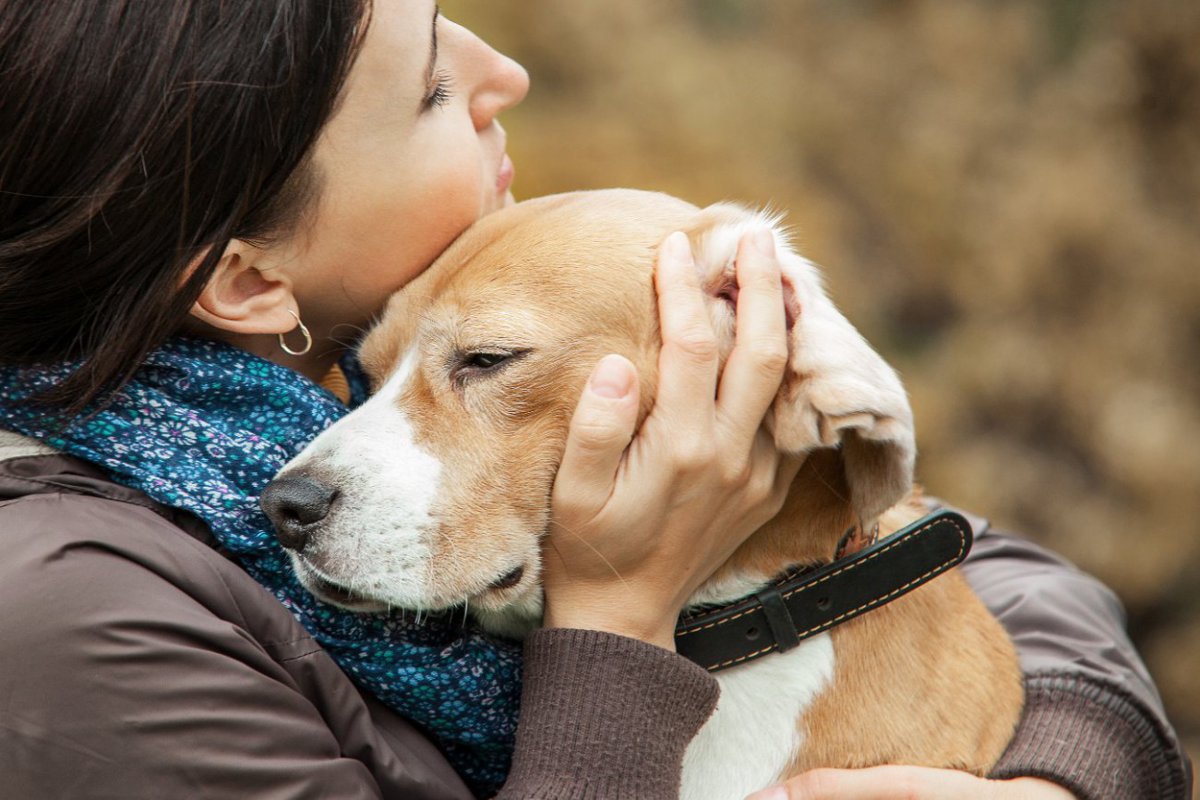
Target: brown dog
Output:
[{"x": 436, "y": 492}]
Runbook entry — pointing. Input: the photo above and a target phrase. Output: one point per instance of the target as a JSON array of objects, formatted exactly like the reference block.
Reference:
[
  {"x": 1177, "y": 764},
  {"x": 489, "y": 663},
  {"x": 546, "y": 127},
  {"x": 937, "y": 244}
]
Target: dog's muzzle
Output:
[{"x": 296, "y": 507}]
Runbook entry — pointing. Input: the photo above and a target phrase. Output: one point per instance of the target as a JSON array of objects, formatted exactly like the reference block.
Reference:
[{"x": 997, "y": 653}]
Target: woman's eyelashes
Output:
[{"x": 440, "y": 92}]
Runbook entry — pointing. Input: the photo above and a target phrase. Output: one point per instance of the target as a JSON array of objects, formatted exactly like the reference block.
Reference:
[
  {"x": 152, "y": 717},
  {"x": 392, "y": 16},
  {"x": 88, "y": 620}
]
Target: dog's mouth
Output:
[
  {"x": 510, "y": 587},
  {"x": 498, "y": 594},
  {"x": 508, "y": 579},
  {"x": 334, "y": 593}
]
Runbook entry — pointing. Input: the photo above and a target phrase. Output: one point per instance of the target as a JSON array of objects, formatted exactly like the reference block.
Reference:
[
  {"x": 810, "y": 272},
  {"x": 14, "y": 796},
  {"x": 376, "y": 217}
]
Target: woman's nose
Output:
[{"x": 501, "y": 84}]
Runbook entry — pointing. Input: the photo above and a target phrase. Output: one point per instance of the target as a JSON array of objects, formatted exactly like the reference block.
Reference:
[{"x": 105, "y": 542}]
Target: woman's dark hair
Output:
[{"x": 133, "y": 136}]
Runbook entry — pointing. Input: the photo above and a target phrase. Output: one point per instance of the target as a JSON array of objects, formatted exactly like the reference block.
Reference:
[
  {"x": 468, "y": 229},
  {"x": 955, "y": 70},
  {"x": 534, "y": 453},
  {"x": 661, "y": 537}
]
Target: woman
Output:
[{"x": 181, "y": 186}]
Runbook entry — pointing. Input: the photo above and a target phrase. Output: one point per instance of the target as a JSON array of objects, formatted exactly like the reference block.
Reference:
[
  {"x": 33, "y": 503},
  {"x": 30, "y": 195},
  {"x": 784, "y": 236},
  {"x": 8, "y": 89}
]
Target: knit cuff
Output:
[
  {"x": 1093, "y": 739},
  {"x": 604, "y": 716}
]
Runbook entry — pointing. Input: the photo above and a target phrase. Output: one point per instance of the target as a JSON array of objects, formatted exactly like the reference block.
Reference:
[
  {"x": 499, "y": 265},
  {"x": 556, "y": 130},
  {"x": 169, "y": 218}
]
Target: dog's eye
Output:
[
  {"x": 481, "y": 363},
  {"x": 485, "y": 360}
]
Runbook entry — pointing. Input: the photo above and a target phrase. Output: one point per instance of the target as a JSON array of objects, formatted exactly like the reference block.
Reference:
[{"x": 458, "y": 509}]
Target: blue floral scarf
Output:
[{"x": 203, "y": 427}]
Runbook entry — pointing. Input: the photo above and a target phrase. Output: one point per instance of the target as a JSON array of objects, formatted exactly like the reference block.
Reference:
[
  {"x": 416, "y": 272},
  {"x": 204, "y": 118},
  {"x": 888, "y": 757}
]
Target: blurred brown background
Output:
[{"x": 1004, "y": 197}]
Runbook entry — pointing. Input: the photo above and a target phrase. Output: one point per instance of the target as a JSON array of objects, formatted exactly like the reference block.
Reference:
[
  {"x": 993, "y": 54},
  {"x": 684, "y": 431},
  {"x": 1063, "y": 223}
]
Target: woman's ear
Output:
[{"x": 245, "y": 295}]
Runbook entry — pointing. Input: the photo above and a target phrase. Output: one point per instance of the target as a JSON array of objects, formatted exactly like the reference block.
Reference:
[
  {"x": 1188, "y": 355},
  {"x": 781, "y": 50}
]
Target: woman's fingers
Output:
[
  {"x": 637, "y": 530},
  {"x": 601, "y": 429},
  {"x": 908, "y": 783},
  {"x": 755, "y": 368},
  {"x": 687, "y": 364}
]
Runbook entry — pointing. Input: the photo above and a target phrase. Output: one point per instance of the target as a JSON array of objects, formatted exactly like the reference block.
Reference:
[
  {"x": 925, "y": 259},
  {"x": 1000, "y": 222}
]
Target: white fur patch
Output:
[
  {"x": 755, "y": 732},
  {"x": 730, "y": 588},
  {"x": 718, "y": 244},
  {"x": 377, "y": 541}
]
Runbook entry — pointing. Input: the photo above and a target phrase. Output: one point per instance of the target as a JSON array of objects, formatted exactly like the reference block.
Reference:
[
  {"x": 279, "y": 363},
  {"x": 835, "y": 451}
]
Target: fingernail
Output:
[
  {"x": 677, "y": 248},
  {"x": 612, "y": 378},
  {"x": 774, "y": 793},
  {"x": 764, "y": 242}
]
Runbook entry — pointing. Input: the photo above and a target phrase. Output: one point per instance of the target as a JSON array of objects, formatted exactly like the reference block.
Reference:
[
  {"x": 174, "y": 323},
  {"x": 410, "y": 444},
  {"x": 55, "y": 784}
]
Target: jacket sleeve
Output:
[
  {"x": 605, "y": 716},
  {"x": 118, "y": 681},
  {"x": 1093, "y": 720}
]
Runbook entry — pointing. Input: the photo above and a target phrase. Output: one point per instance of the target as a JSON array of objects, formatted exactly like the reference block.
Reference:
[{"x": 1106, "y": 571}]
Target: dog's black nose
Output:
[{"x": 295, "y": 505}]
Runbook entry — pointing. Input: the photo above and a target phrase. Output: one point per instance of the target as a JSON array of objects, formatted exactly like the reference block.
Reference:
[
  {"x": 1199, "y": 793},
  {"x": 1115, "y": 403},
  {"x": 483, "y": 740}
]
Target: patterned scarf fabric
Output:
[{"x": 203, "y": 427}]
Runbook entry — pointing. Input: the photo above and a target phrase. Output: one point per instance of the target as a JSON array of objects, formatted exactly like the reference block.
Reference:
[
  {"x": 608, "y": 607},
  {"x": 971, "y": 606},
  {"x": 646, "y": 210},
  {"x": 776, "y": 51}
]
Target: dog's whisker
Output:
[
  {"x": 616, "y": 573},
  {"x": 356, "y": 332},
  {"x": 833, "y": 489}
]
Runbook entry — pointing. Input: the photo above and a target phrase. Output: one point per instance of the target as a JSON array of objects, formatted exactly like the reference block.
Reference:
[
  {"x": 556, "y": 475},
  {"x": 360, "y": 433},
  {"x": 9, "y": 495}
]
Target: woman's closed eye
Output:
[{"x": 440, "y": 91}]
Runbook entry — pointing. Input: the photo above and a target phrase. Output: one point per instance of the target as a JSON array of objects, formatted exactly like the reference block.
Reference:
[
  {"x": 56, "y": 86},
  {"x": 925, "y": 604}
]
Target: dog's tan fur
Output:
[{"x": 929, "y": 679}]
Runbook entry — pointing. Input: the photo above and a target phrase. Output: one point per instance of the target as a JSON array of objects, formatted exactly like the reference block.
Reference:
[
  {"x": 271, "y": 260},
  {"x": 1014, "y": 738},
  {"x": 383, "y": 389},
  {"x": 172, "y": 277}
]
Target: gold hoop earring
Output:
[{"x": 303, "y": 331}]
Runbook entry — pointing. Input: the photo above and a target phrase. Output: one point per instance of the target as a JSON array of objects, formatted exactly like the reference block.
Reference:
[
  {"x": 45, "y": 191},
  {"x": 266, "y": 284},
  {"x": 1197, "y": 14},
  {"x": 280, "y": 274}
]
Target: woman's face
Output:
[{"x": 412, "y": 156}]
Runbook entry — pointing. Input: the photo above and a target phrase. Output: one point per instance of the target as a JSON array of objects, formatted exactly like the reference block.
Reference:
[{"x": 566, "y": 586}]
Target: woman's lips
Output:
[{"x": 504, "y": 177}]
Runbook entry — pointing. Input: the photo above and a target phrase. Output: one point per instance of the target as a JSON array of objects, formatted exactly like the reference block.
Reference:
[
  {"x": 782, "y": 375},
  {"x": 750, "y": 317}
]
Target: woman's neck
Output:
[{"x": 314, "y": 365}]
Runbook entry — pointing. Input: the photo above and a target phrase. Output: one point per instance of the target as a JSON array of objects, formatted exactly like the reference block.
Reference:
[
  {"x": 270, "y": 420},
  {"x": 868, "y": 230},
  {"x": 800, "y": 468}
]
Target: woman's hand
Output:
[
  {"x": 639, "y": 526},
  {"x": 908, "y": 783}
]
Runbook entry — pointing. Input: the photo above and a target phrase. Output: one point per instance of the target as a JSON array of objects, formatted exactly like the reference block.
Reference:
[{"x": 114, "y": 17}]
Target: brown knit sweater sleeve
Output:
[
  {"x": 1093, "y": 721},
  {"x": 1093, "y": 739},
  {"x": 604, "y": 716}
]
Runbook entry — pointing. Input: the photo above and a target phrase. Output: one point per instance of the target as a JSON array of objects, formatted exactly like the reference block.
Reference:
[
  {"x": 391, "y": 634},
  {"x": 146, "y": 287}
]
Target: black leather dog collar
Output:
[{"x": 780, "y": 616}]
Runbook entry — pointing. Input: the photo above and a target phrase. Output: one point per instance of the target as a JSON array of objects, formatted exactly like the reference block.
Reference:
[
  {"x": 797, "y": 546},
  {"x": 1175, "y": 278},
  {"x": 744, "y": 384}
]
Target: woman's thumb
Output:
[{"x": 601, "y": 429}]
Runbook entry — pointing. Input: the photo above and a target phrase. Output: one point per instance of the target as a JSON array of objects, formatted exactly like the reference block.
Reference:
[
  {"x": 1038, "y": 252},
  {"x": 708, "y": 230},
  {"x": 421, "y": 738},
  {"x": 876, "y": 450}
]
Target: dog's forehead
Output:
[
  {"x": 560, "y": 255},
  {"x": 567, "y": 255},
  {"x": 564, "y": 238}
]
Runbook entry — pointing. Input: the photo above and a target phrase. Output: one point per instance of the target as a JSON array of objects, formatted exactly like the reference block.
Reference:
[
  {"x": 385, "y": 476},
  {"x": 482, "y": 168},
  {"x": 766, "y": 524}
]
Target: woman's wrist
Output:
[
  {"x": 898, "y": 782},
  {"x": 623, "y": 616}
]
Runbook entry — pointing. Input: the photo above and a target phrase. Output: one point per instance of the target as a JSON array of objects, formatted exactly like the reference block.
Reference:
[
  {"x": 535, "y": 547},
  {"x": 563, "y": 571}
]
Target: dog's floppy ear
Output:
[{"x": 838, "y": 392}]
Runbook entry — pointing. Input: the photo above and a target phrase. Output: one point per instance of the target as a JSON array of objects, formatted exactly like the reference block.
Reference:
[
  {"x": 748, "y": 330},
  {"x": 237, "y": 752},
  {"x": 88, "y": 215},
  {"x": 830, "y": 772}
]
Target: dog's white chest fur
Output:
[{"x": 755, "y": 731}]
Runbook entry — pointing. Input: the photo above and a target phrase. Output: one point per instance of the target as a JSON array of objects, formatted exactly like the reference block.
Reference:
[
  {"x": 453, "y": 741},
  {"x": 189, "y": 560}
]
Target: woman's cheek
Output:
[{"x": 417, "y": 230}]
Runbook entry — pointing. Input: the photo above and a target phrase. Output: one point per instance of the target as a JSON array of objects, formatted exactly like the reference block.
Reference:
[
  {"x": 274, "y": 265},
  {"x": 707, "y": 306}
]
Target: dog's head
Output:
[{"x": 437, "y": 490}]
